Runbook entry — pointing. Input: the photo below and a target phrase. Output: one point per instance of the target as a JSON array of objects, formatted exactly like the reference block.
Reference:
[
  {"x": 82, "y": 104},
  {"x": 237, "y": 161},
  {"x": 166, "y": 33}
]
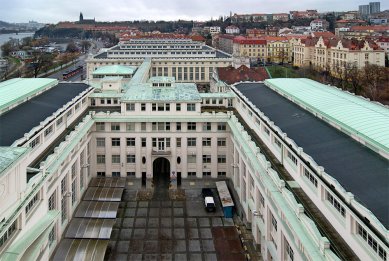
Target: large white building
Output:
[
  {"x": 307, "y": 163},
  {"x": 183, "y": 59}
]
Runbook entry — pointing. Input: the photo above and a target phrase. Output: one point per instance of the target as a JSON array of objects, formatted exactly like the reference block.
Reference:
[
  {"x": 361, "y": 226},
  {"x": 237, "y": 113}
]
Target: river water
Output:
[{"x": 6, "y": 37}]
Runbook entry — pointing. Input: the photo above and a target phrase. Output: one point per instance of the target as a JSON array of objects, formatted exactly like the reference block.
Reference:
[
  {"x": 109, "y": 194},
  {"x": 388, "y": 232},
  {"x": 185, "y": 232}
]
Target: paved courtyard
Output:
[{"x": 164, "y": 229}]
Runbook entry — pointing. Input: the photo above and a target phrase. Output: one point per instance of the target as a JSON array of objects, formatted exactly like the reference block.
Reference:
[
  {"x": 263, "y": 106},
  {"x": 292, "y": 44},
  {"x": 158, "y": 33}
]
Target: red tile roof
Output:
[
  {"x": 230, "y": 75},
  {"x": 246, "y": 40},
  {"x": 370, "y": 28}
]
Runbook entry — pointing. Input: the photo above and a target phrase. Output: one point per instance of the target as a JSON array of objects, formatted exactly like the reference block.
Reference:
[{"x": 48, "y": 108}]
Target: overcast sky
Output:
[{"x": 52, "y": 11}]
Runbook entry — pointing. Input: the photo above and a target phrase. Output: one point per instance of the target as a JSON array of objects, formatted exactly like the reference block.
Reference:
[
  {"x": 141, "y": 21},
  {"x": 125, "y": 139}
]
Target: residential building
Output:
[
  {"x": 364, "y": 11},
  {"x": 352, "y": 15},
  {"x": 383, "y": 43},
  {"x": 375, "y": 7},
  {"x": 286, "y": 147},
  {"x": 213, "y": 29},
  {"x": 304, "y": 14},
  {"x": 281, "y": 17},
  {"x": 319, "y": 25},
  {"x": 253, "y": 48},
  {"x": 363, "y": 32},
  {"x": 232, "y": 29},
  {"x": 182, "y": 58},
  {"x": 334, "y": 53},
  {"x": 255, "y": 32},
  {"x": 278, "y": 49}
]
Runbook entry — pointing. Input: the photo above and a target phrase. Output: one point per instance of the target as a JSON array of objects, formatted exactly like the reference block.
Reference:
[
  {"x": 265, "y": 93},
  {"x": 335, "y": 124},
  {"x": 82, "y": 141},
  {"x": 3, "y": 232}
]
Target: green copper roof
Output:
[
  {"x": 114, "y": 70},
  {"x": 9, "y": 155},
  {"x": 16, "y": 90},
  {"x": 355, "y": 115},
  {"x": 144, "y": 92},
  {"x": 139, "y": 89}
]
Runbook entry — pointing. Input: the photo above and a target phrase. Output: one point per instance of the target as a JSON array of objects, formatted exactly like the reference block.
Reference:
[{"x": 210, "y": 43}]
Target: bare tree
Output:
[
  {"x": 354, "y": 77},
  {"x": 41, "y": 61},
  {"x": 373, "y": 81}
]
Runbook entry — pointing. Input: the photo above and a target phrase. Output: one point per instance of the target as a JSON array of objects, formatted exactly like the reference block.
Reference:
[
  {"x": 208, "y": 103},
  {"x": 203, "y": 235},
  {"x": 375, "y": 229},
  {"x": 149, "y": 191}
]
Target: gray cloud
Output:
[{"x": 118, "y": 10}]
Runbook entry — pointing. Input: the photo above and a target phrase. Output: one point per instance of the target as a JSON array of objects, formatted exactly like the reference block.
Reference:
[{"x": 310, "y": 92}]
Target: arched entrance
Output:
[{"x": 161, "y": 173}]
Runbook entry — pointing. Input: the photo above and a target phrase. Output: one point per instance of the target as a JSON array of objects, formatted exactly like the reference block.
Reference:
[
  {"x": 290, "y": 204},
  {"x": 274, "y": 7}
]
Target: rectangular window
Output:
[
  {"x": 221, "y": 142},
  {"x": 335, "y": 203},
  {"x": 378, "y": 249},
  {"x": 130, "y": 126},
  {"x": 115, "y": 159},
  {"x": 131, "y": 174},
  {"x": 207, "y": 126},
  {"x": 310, "y": 177},
  {"x": 130, "y": 142},
  {"x": 277, "y": 142},
  {"x": 100, "y": 174},
  {"x": 74, "y": 192},
  {"x": 191, "y": 173},
  {"x": 191, "y": 126},
  {"x": 191, "y": 142},
  {"x": 116, "y": 174},
  {"x": 115, "y": 126},
  {"x": 100, "y": 126},
  {"x": 51, "y": 202},
  {"x": 143, "y": 126},
  {"x": 274, "y": 222},
  {"x": 221, "y": 159},
  {"x": 206, "y": 174},
  {"x": 144, "y": 143},
  {"x": 292, "y": 157},
  {"x": 59, "y": 121},
  {"x": 207, "y": 142},
  {"x": 178, "y": 106},
  {"x": 100, "y": 142},
  {"x": 154, "y": 107},
  {"x": 221, "y": 173},
  {"x": 178, "y": 142},
  {"x": 288, "y": 251},
  {"x": 35, "y": 142},
  {"x": 131, "y": 158},
  {"x": 130, "y": 106},
  {"x": 191, "y": 107},
  {"x": 115, "y": 142},
  {"x": 266, "y": 130},
  {"x": 100, "y": 159},
  {"x": 206, "y": 158},
  {"x": 143, "y": 106},
  {"x": 32, "y": 203},
  {"x": 178, "y": 126},
  {"x": 48, "y": 130},
  {"x": 221, "y": 126}
]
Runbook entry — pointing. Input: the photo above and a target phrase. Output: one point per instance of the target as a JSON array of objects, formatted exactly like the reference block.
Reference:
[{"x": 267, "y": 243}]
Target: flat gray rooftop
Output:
[
  {"x": 21, "y": 119},
  {"x": 358, "y": 169}
]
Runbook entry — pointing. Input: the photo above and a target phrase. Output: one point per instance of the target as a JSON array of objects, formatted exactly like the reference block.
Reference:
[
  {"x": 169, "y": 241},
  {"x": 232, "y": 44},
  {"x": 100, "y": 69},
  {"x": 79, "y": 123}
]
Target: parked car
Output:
[{"x": 209, "y": 202}]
